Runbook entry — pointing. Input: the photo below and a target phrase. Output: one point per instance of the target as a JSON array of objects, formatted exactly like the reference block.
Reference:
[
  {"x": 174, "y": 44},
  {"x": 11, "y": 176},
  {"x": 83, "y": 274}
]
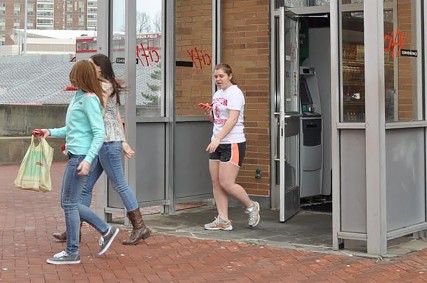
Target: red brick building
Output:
[{"x": 46, "y": 14}]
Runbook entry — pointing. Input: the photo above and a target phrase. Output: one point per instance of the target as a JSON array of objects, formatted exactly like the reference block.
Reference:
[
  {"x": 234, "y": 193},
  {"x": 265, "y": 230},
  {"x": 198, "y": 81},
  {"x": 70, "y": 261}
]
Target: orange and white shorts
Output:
[{"x": 233, "y": 153}]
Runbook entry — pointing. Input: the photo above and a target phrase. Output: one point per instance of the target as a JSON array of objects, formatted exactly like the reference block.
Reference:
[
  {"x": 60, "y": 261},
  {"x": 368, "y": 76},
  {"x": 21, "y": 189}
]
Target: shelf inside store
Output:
[
  {"x": 351, "y": 63},
  {"x": 354, "y": 103},
  {"x": 352, "y": 83}
]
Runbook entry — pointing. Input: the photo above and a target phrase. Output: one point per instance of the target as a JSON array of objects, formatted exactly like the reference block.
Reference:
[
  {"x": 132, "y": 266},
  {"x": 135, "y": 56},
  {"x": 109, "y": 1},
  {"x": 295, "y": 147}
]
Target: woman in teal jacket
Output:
[{"x": 84, "y": 134}]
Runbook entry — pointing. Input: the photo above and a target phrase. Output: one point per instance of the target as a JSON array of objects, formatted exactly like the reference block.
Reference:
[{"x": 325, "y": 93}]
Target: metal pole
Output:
[
  {"x": 375, "y": 128},
  {"x": 216, "y": 35},
  {"x": 25, "y": 26},
  {"x": 130, "y": 45},
  {"x": 335, "y": 110},
  {"x": 103, "y": 36},
  {"x": 169, "y": 62},
  {"x": 103, "y": 26}
]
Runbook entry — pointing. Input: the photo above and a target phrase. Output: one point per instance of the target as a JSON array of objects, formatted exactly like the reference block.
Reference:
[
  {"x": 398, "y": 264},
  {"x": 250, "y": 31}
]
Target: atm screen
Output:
[{"x": 304, "y": 92}]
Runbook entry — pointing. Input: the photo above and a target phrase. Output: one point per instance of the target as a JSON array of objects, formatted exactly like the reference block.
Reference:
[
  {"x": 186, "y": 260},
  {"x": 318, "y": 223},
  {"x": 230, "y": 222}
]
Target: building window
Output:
[
  {"x": 81, "y": 6},
  {"x": 353, "y": 65},
  {"x": 403, "y": 62}
]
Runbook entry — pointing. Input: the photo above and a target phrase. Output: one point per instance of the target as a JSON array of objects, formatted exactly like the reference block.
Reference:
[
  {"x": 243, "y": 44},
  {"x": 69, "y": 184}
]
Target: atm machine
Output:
[{"x": 311, "y": 147}]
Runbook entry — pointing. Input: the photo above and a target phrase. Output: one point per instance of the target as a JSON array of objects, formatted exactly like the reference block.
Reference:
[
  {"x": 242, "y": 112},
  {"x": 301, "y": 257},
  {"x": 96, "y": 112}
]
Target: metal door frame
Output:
[
  {"x": 169, "y": 119},
  {"x": 281, "y": 15}
]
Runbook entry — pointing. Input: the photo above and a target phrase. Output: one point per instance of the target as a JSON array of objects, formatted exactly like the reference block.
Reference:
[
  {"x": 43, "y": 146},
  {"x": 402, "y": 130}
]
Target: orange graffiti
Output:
[
  {"x": 393, "y": 42},
  {"x": 199, "y": 57}
]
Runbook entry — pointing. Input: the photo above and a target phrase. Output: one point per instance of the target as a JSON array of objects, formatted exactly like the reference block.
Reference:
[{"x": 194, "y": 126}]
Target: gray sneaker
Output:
[
  {"x": 106, "y": 240},
  {"x": 219, "y": 224},
  {"x": 253, "y": 212},
  {"x": 64, "y": 258}
]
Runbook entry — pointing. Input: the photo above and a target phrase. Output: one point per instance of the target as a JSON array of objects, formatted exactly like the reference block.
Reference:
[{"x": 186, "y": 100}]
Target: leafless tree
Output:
[
  {"x": 157, "y": 22},
  {"x": 143, "y": 22}
]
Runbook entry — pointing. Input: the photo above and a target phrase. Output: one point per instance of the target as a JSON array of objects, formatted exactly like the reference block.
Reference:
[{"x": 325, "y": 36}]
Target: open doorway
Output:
[
  {"x": 315, "y": 94},
  {"x": 301, "y": 124}
]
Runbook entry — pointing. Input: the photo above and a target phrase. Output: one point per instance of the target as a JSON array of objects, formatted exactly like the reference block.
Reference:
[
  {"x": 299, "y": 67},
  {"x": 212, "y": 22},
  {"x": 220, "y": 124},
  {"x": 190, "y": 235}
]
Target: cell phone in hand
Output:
[{"x": 205, "y": 106}]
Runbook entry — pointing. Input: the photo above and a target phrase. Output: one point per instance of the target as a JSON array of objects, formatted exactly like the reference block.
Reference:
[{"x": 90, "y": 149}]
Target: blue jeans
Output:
[
  {"x": 72, "y": 186},
  {"x": 110, "y": 160}
]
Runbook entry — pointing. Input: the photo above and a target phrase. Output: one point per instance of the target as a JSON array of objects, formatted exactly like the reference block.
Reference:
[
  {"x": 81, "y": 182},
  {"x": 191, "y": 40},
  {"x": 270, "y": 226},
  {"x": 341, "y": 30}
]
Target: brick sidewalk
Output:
[{"x": 27, "y": 220}]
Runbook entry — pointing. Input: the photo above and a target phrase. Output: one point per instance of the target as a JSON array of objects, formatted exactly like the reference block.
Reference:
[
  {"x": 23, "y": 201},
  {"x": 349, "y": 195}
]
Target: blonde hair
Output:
[{"x": 83, "y": 76}]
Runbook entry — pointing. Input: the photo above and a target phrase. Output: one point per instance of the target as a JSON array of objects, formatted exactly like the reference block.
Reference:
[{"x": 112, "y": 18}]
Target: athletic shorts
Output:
[{"x": 234, "y": 153}]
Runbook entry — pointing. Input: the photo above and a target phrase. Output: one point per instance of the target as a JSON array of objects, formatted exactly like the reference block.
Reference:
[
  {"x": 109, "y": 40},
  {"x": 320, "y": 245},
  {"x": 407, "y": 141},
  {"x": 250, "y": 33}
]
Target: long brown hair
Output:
[
  {"x": 107, "y": 72},
  {"x": 83, "y": 76},
  {"x": 226, "y": 69}
]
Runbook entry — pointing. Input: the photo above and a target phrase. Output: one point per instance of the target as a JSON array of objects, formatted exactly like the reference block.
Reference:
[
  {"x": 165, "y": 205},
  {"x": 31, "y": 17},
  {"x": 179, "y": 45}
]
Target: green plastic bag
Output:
[{"x": 34, "y": 172}]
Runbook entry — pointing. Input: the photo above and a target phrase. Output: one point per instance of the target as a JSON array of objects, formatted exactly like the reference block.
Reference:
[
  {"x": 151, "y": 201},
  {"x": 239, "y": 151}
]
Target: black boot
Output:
[{"x": 139, "y": 231}]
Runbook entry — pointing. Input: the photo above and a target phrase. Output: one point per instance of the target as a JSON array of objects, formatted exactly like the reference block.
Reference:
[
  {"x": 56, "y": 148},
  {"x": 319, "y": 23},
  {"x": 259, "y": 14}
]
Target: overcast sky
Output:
[{"x": 149, "y": 6}]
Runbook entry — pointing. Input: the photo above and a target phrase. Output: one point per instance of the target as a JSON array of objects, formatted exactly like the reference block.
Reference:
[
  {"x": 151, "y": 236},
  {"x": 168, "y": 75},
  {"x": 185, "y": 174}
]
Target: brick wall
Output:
[
  {"x": 246, "y": 49},
  {"x": 58, "y": 19},
  {"x": 193, "y": 41},
  {"x": 407, "y": 65}
]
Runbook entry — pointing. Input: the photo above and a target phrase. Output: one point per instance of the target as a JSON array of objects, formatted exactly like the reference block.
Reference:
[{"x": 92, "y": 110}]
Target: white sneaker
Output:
[
  {"x": 219, "y": 224},
  {"x": 253, "y": 212}
]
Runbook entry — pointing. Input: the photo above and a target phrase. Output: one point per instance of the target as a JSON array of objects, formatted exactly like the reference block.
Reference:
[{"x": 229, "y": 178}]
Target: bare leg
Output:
[
  {"x": 227, "y": 179},
  {"x": 220, "y": 196}
]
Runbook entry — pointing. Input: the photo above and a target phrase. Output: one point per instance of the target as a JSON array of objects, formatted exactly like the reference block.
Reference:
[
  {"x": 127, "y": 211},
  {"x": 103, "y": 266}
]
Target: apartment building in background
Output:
[{"x": 46, "y": 14}]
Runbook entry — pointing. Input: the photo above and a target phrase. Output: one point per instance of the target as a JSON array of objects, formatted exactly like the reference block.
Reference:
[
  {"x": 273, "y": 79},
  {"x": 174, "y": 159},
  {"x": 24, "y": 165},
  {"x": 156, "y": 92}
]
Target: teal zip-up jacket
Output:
[{"x": 84, "y": 126}]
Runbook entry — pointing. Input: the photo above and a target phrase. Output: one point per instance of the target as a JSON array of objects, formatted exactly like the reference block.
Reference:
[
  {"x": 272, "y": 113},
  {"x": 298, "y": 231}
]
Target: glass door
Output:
[{"x": 287, "y": 113}]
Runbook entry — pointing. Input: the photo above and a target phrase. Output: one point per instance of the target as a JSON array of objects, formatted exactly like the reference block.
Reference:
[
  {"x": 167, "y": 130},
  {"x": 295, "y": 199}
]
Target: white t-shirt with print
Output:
[{"x": 222, "y": 102}]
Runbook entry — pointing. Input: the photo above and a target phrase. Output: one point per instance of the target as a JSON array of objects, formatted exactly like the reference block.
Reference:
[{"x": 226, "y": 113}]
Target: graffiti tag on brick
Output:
[{"x": 200, "y": 58}]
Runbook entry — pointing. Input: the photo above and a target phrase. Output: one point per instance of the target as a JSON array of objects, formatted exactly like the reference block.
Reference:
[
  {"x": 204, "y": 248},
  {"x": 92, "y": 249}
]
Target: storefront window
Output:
[
  {"x": 353, "y": 66},
  {"x": 149, "y": 78},
  {"x": 117, "y": 51},
  {"x": 403, "y": 59},
  {"x": 193, "y": 56},
  {"x": 301, "y": 3}
]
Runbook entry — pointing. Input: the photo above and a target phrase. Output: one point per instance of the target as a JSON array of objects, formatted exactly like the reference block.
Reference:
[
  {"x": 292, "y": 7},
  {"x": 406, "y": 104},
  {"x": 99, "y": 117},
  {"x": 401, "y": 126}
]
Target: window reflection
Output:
[
  {"x": 402, "y": 59},
  {"x": 353, "y": 67},
  {"x": 117, "y": 44},
  {"x": 149, "y": 78}
]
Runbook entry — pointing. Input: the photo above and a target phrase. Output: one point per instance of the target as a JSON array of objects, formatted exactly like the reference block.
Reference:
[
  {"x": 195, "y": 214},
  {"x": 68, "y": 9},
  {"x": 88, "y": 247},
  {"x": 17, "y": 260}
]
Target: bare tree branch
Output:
[{"x": 143, "y": 22}]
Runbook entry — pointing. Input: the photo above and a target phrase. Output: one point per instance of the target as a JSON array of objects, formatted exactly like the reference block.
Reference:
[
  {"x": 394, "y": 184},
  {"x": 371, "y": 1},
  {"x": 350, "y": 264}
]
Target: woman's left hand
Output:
[
  {"x": 83, "y": 168},
  {"x": 127, "y": 150},
  {"x": 213, "y": 145}
]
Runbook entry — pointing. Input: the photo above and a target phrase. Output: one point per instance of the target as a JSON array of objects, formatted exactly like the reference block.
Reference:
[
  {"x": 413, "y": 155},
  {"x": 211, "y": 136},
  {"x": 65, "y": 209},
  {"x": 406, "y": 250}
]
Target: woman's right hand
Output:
[
  {"x": 207, "y": 107},
  {"x": 127, "y": 150},
  {"x": 40, "y": 133}
]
